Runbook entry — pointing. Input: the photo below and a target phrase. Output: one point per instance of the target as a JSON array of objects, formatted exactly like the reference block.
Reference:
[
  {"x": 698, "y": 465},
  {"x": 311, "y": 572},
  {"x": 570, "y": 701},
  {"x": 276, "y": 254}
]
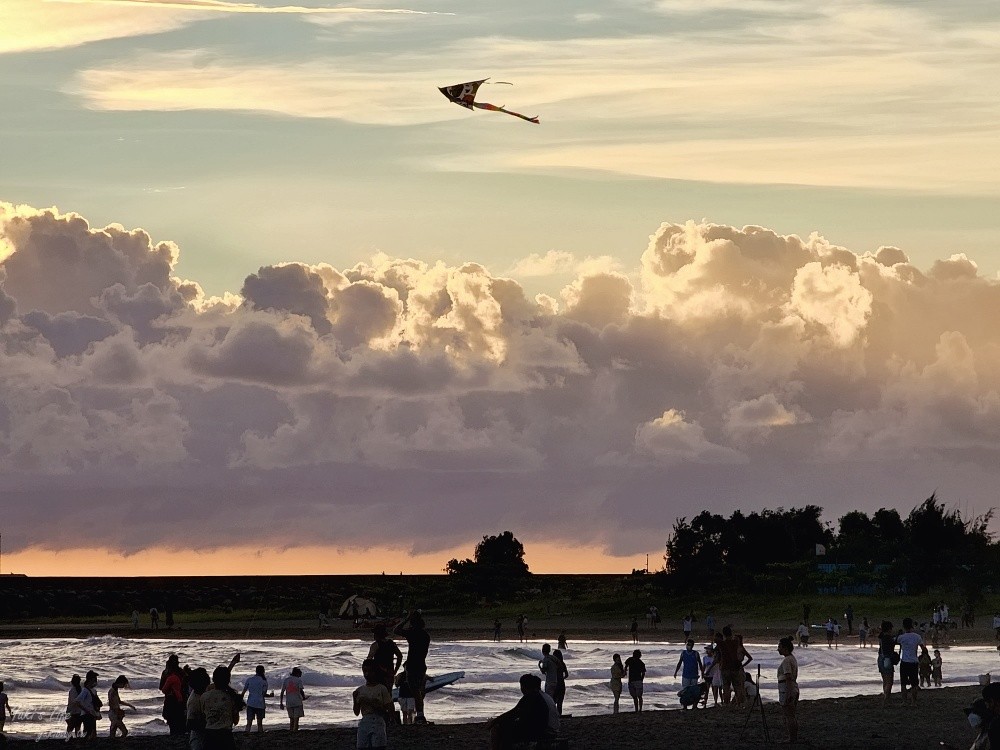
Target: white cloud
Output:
[{"x": 445, "y": 397}]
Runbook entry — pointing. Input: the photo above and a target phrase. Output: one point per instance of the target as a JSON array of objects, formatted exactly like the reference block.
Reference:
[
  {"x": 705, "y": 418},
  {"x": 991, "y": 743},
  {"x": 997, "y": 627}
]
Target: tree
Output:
[{"x": 498, "y": 567}]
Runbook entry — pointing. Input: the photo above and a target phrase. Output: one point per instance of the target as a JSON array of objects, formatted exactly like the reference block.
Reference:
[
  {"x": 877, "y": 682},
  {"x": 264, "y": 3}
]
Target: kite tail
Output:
[{"x": 495, "y": 108}]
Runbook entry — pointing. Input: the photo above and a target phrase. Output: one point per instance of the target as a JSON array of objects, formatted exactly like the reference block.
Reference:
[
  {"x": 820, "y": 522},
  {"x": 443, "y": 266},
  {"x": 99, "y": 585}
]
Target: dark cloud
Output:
[{"x": 731, "y": 368}]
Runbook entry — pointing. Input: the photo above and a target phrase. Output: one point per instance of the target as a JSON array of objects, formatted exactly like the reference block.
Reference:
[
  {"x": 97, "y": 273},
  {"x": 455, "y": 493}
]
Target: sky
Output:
[{"x": 270, "y": 303}]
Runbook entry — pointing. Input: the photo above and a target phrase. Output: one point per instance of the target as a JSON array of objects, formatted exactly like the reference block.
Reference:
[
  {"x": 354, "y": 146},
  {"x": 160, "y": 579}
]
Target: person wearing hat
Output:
[{"x": 116, "y": 712}]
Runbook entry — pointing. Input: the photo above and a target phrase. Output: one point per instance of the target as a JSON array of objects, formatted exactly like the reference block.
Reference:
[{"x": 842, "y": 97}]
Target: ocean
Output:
[{"x": 36, "y": 674}]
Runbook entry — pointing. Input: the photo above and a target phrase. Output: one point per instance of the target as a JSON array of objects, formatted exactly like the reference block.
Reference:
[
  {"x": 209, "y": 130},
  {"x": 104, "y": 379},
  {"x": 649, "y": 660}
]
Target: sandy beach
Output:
[{"x": 830, "y": 724}]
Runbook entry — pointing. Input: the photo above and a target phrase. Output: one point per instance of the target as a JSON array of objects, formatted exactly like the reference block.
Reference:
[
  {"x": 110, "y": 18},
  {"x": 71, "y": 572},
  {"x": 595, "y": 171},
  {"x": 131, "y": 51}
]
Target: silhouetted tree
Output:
[{"x": 498, "y": 567}]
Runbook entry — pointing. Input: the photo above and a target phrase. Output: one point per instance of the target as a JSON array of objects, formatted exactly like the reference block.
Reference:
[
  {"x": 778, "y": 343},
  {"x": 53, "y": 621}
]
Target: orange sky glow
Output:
[{"x": 298, "y": 561}]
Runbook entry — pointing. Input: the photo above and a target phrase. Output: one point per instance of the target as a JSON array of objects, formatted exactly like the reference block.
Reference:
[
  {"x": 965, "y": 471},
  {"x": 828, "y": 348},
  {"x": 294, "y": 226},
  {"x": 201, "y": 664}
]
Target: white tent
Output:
[{"x": 357, "y": 606}]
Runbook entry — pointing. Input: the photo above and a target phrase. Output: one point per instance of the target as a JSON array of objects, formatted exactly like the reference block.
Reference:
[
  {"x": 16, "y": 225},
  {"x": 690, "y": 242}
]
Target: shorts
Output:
[
  {"x": 885, "y": 665},
  {"x": 371, "y": 732},
  {"x": 295, "y": 712},
  {"x": 407, "y": 704},
  {"x": 804, "y": 640},
  {"x": 688, "y": 682},
  {"x": 616, "y": 686},
  {"x": 74, "y": 722},
  {"x": 786, "y": 696},
  {"x": 89, "y": 723},
  {"x": 909, "y": 674},
  {"x": 732, "y": 678},
  {"x": 255, "y": 713},
  {"x": 635, "y": 688},
  {"x": 416, "y": 678}
]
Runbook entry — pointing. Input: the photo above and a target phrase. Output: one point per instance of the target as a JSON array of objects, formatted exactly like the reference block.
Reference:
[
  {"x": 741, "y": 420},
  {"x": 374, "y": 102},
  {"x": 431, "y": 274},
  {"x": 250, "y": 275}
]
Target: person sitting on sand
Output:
[
  {"x": 617, "y": 674},
  {"x": 292, "y": 698},
  {"x": 936, "y": 668},
  {"x": 373, "y": 703},
  {"x": 527, "y": 722},
  {"x": 788, "y": 687},
  {"x": 636, "y": 674},
  {"x": 116, "y": 714}
]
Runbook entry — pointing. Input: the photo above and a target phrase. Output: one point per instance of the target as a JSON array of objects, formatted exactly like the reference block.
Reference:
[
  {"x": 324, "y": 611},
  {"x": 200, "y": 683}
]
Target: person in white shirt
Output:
[
  {"x": 909, "y": 674},
  {"x": 254, "y": 691},
  {"x": 803, "y": 634}
]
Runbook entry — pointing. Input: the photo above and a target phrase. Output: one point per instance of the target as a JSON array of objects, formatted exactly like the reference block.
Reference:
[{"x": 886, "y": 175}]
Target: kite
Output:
[{"x": 464, "y": 94}]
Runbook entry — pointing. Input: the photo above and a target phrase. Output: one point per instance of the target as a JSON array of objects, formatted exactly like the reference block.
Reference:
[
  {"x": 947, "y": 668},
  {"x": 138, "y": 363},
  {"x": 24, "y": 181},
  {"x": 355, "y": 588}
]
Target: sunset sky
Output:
[{"x": 269, "y": 303}]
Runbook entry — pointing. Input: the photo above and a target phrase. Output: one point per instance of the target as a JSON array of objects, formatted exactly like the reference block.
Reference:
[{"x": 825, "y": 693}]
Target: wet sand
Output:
[{"x": 829, "y": 724}]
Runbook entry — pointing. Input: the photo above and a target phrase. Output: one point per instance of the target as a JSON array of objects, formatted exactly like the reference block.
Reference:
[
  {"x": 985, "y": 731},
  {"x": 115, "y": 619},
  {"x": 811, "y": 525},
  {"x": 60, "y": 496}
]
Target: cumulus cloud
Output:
[{"x": 731, "y": 367}]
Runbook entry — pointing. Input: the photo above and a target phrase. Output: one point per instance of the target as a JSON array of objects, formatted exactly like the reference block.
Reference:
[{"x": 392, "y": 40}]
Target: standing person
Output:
[
  {"x": 407, "y": 705},
  {"x": 803, "y": 634},
  {"x": 887, "y": 658},
  {"x": 548, "y": 667},
  {"x": 686, "y": 624},
  {"x": 836, "y": 634},
  {"x": 788, "y": 687},
  {"x": 691, "y": 664},
  {"x": 418, "y": 642},
  {"x": 634, "y": 630},
  {"x": 829, "y": 632},
  {"x": 293, "y": 697},
  {"x": 636, "y": 674},
  {"x": 169, "y": 616},
  {"x": 521, "y": 622},
  {"x": 222, "y": 706},
  {"x": 4, "y": 706},
  {"x": 909, "y": 642},
  {"x": 733, "y": 658},
  {"x": 713, "y": 673},
  {"x": 116, "y": 712},
  {"x": 561, "y": 674},
  {"x": 90, "y": 705},
  {"x": 562, "y": 641},
  {"x": 198, "y": 682},
  {"x": 386, "y": 655},
  {"x": 710, "y": 624},
  {"x": 154, "y": 618},
  {"x": 254, "y": 692},
  {"x": 863, "y": 633},
  {"x": 849, "y": 616},
  {"x": 135, "y": 619},
  {"x": 936, "y": 668},
  {"x": 174, "y": 702},
  {"x": 617, "y": 673},
  {"x": 372, "y": 702},
  {"x": 496, "y": 630},
  {"x": 74, "y": 712},
  {"x": 805, "y": 612}
]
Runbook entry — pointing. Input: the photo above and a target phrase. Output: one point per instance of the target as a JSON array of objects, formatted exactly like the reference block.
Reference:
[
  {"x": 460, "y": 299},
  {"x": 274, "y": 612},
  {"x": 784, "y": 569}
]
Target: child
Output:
[
  {"x": 924, "y": 667},
  {"x": 4, "y": 706},
  {"x": 936, "y": 668},
  {"x": 407, "y": 703},
  {"x": 115, "y": 711},
  {"x": 372, "y": 702}
]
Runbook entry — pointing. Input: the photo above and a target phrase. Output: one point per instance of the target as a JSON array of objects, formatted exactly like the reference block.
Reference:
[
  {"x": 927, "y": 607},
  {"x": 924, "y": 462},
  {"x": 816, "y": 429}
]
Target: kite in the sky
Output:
[{"x": 464, "y": 94}]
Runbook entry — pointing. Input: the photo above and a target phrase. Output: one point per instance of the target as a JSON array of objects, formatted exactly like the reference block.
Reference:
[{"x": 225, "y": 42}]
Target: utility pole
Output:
[{"x": 647, "y": 562}]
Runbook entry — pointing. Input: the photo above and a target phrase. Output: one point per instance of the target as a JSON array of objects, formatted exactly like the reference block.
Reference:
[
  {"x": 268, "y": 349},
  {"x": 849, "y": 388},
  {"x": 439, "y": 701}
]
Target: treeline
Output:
[{"x": 794, "y": 551}]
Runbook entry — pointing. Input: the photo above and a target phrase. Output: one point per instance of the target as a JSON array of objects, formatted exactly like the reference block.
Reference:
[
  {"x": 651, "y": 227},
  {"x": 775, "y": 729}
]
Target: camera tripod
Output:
[{"x": 757, "y": 706}]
